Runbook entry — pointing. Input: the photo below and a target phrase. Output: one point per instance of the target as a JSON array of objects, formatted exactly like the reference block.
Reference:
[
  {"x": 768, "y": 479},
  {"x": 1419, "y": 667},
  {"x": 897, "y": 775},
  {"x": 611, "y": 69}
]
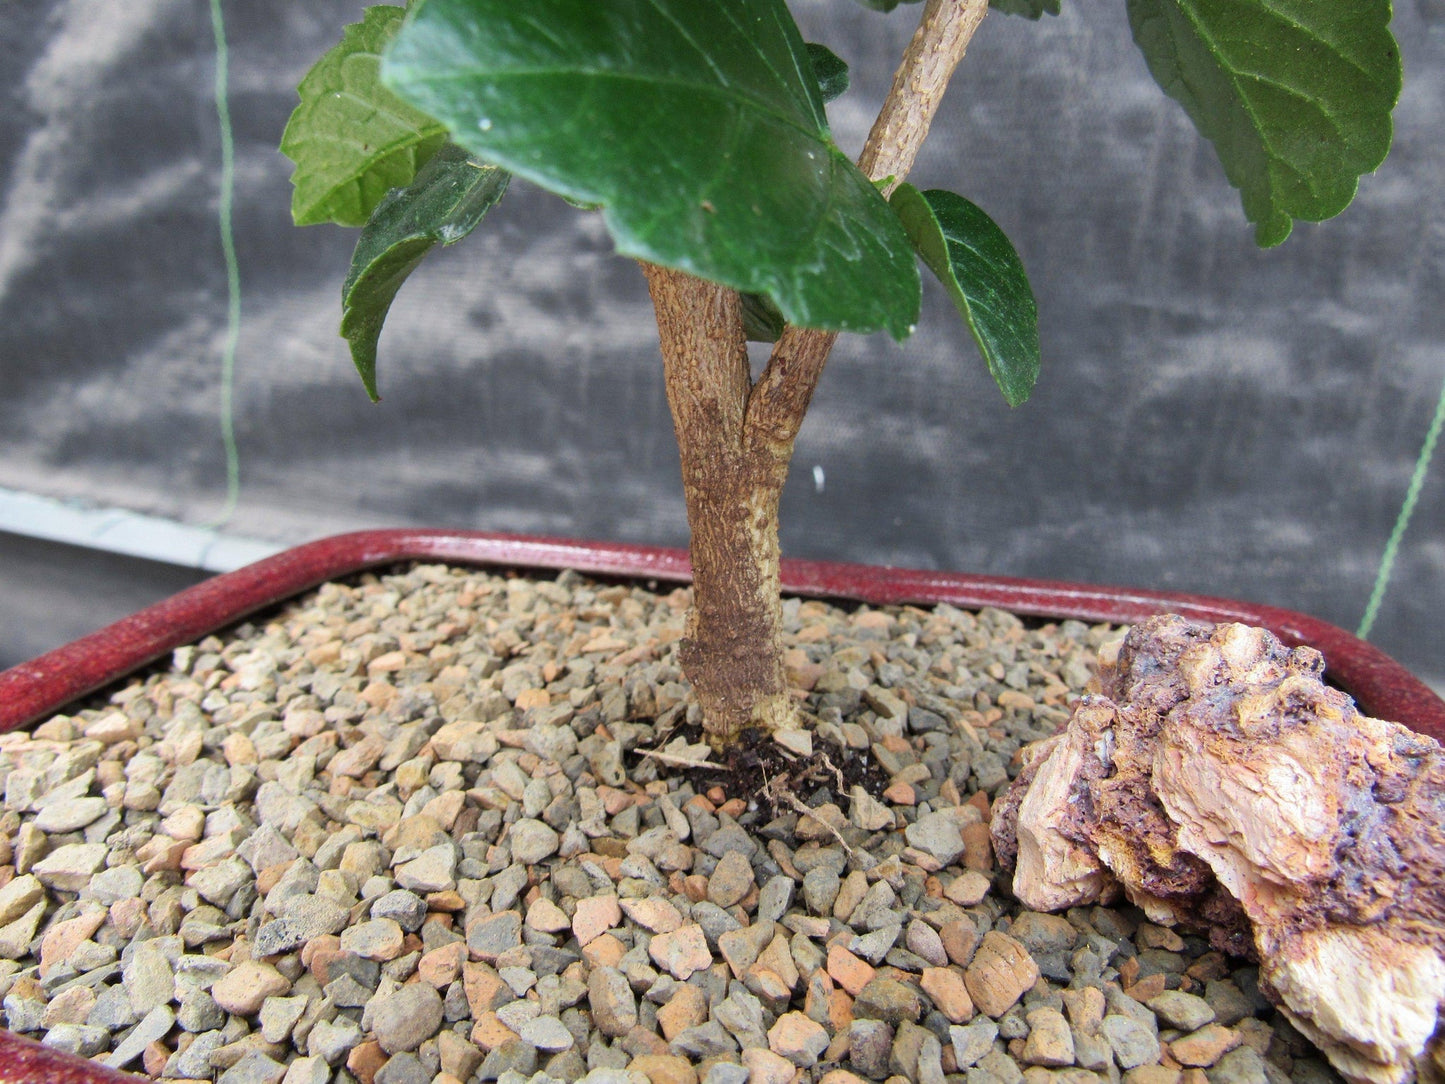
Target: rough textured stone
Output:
[
  {"x": 999, "y": 973},
  {"x": 405, "y": 1018},
  {"x": 242, "y": 990}
]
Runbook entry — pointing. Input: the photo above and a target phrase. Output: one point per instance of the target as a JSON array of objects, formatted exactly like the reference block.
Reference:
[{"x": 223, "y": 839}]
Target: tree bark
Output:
[
  {"x": 736, "y": 438},
  {"x": 731, "y": 482}
]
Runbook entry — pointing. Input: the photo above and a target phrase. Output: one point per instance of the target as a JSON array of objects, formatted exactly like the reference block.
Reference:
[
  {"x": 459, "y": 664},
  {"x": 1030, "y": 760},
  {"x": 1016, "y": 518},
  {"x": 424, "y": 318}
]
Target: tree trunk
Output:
[
  {"x": 733, "y": 650},
  {"x": 736, "y": 438}
]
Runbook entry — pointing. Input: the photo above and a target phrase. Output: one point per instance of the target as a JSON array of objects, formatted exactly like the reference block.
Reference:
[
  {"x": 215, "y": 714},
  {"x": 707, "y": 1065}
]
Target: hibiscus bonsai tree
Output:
[{"x": 697, "y": 129}]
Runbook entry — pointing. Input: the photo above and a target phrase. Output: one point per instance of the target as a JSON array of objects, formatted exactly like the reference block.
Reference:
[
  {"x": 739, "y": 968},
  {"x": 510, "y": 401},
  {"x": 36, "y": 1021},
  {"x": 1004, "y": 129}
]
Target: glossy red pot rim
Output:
[{"x": 1380, "y": 685}]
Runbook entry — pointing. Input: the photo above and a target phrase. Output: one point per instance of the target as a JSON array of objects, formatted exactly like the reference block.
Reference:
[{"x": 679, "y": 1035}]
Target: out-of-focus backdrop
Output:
[{"x": 1210, "y": 417}]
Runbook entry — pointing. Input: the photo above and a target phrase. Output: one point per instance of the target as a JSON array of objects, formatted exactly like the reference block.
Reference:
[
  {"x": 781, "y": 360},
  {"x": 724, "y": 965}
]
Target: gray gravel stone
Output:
[
  {"x": 70, "y": 815},
  {"x": 493, "y": 934},
  {"x": 305, "y": 918},
  {"x": 332, "y": 1040},
  {"x": 81, "y": 1039},
  {"x": 70, "y": 868},
  {"x": 936, "y": 834},
  {"x": 972, "y": 1041},
  {"x": 1181, "y": 1010},
  {"x": 1240, "y": 1066},
  {"x": 532, "y": 841},
  {"x": 406, "y": 1018},
  {"x": 434, "y": 870},
  {"x": 403, "y": 1069},
  {"x": 114, "y": 884},
  {"x": 154, "y": 1026},
  {"x": 253, "y": 1068},
  {"x": 406, "y": 909},
  {"x": 1133, "y": 1043},
  {"x": 194, "y": 1063},
  {"x": 148, "y": 974}
]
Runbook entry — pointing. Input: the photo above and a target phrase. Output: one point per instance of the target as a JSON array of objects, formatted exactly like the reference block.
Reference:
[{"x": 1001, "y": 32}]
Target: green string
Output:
[
  {"x": 1412, "y": 494},
  {"x": 233, "y": 276}
]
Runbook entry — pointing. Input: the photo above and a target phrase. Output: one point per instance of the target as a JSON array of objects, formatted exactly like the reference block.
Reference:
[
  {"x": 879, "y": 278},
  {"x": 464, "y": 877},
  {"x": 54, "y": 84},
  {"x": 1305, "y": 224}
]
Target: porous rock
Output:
[{"x": 1219, "y": 783}]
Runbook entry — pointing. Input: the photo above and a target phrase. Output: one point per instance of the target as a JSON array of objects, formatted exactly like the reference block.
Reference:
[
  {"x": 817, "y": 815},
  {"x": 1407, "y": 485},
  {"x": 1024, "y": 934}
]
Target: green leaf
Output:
[
  {"x": 697, "y": 126},
  {"x": 444, "y": 204},
  {"x": 762, "y": 322},
  {"x": 830, "y": 69},
  {"x": 1029, "y": 9},
  {"x": 983, "y": 274},
  {"x": 1295, "y": 95},
  {"x": 352, "y": 139}
]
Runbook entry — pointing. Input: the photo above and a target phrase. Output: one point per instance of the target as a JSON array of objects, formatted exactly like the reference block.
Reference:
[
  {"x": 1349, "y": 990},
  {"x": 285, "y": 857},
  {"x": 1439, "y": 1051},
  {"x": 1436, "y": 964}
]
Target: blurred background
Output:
[{"x": 1210, "y": 417}]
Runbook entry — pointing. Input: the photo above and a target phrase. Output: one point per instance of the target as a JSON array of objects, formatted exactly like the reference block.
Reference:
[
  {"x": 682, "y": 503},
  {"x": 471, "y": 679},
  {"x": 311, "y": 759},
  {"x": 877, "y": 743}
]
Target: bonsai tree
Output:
[{"x": 697, "y": 128}]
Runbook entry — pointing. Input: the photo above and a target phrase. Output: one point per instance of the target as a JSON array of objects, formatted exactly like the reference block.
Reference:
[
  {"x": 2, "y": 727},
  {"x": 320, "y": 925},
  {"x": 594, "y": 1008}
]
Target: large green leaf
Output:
[
  {"x": 444, "y": 204},
  {"x": 352, "y": 139},
  {"x": 985, "y": 277},
  {"x": 1295, "y": 95},
  {"x": 698, "y": 126}
]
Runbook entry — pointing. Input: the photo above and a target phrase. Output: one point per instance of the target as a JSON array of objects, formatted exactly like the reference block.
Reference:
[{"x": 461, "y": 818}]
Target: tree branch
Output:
[
  {"x": 777, "y": 403},
  {"x": 938, "y": 45}
]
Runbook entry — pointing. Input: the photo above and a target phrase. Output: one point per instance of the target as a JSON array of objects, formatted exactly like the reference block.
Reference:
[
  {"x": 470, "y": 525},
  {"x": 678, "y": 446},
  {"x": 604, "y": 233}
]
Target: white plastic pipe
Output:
[{"x": 118, "y": 530}]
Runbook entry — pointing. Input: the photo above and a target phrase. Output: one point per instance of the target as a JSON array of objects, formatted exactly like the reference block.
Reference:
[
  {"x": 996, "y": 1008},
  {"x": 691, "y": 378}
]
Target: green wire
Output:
[
  {"x": 233, "y": 276},
  {"x": 1412, "y": 495}
]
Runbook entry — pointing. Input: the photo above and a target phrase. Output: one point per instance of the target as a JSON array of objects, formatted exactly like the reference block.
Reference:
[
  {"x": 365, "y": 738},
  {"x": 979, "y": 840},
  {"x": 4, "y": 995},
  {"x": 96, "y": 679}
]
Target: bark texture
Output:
[
  {"x": 1221, "y": 785},
  {"x": 732, "y": 480}
]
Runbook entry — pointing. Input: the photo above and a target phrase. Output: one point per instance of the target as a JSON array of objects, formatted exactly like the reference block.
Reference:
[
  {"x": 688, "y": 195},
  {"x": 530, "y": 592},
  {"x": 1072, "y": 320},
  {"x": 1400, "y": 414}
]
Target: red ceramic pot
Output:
[{"x": 1381, "y": 686}]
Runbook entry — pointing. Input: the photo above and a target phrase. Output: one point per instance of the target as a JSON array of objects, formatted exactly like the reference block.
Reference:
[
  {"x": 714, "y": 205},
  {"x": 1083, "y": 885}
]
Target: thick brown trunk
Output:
[{"x": 732, "y": 654}]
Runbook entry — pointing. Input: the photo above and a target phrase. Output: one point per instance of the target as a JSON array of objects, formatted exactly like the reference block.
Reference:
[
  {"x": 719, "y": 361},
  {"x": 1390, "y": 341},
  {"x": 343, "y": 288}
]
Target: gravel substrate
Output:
[{"x": 400, "y": 832}]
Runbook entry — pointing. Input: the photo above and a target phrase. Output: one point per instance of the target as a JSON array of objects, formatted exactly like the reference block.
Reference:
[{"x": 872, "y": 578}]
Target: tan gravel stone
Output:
[
  {"x": 766, "y": 1067},
  {"x": 1205, "y": 1046},
  {"x": 685, "y": 1009},
  {"x": 63, "y": 937},
  {"x": 242, "y": 989},
  {"x": 664, "y": 1069},
  {"x": 1050, "y": 1042},
  {"x": 653, "y": 913},
  {"x": 798, "y": 1039},
  {"x": 19, "y": 895},
  {"x": 968, "y": 889},
  {"x": 488, "y": 1031},
  {"x": 546, "y": 916},
  {"x": 604, "y": 951},
  {"x": 778, "y": 958},
  {"x": 960, "y": 940},
  {"x": 847, "y": 970},
  {"x": 442, "y": 966},
  {"x": 1000, "y": 972},
  {"x": 614, "y": 1008},
  {"x": 947, "y": 990},
  {"x": 681, "y": 952},
  {"x": 594, "y": 916},
  {"x": 377, "y": 939},
  {"x": 1152, "y": 1074},
  {"x": 1085, "y": 1008}
]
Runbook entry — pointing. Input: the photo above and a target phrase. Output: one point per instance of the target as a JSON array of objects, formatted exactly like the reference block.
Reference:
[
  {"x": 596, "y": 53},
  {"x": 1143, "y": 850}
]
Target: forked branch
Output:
[{"x": 777, "y": 404}]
